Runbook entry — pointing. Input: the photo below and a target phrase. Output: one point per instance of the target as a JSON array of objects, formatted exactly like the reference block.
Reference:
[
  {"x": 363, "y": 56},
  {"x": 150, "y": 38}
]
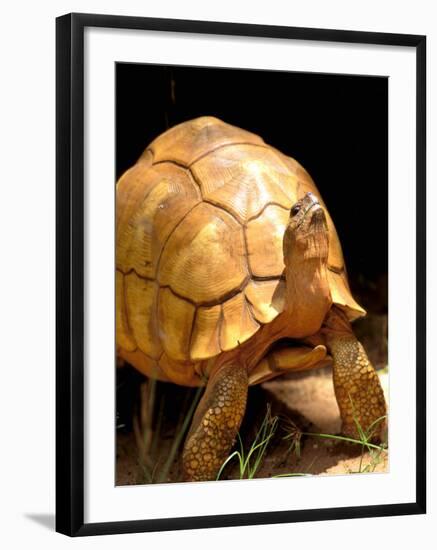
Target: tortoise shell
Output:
[{"x": 199, "y": 230}]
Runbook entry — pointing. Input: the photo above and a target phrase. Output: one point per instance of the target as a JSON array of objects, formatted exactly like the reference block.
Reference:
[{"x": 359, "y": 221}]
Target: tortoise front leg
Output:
[
  {"x": 356, "y": 383},
  {"x": 215, "y": 423}
]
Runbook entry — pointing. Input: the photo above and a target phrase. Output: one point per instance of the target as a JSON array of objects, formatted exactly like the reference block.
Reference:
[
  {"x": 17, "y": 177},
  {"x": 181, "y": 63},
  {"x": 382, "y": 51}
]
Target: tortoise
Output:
[{"x": 229, "y": 272}]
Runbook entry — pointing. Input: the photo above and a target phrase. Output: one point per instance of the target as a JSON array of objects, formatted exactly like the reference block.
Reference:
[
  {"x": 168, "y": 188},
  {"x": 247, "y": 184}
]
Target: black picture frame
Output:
[{"x": 70, "y": 272}]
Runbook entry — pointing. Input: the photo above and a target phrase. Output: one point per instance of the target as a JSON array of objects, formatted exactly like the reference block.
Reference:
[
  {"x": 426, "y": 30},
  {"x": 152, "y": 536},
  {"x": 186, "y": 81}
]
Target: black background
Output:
[{"x": 336, "y": 126}]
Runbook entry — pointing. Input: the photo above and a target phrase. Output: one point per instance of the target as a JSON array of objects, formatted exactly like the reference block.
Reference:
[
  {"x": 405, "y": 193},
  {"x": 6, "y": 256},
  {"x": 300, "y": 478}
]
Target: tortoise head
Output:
[
  {"x": 306, "y": 244},
  {"x": 306, "y": 235}
]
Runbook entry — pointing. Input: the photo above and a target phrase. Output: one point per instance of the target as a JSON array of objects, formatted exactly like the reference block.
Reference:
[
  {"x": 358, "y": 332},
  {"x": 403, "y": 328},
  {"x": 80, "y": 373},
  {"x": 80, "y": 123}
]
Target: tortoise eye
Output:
[{"x": 295, "y": 209}]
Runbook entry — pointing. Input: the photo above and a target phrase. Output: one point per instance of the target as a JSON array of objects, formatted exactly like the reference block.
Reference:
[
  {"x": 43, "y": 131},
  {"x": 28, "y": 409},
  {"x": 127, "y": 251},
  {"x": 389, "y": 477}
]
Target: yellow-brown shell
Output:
[{"x": 199, "y": 228}]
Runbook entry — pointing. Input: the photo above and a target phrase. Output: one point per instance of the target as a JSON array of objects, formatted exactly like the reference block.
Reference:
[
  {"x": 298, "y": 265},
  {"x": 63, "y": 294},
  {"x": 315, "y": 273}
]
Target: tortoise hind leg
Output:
[{"x": 215, "y": 423}]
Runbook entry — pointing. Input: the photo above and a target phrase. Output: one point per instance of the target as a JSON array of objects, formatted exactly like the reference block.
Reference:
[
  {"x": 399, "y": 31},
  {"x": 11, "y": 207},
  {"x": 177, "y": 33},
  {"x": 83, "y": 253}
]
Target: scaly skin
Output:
[
  {"x": 216, "y": 423},
  {"x": 356, "y": 383}
]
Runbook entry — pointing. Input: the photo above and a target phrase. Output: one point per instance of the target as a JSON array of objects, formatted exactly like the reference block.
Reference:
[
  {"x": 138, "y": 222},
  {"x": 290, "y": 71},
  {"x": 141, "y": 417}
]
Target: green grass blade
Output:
[
  {"x": 297, "y": 474},
  {"x": 371, "y": 429},
  {"x": 343, "y": 438},
  {"x": 226, "y": 462},
  {"x": 159, "y": 421}
]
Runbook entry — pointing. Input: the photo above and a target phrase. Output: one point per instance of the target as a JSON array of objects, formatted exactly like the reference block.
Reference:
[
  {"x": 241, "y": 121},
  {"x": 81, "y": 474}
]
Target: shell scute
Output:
[
  {"x": 266, "y": 299},
  {"x": 175, "y": 324},
  {"x": 204, "y": 259},
  {"x": 264, "y": 237},
  {"x": 141, "y": 306},
  {"x": 205, "y": 340},
  {"x": 238, "y": 324},
  {"x": 243, "y": 179},
  {"x": 188, "y": 141},
  {"x": 169, "y": 193},
  {"x": 125, "y": 339}
]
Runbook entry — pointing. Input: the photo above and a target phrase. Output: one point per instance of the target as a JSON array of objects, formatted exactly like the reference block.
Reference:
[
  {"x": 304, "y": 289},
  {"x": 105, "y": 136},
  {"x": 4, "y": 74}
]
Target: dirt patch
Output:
[{"x": 303, "y": 403}]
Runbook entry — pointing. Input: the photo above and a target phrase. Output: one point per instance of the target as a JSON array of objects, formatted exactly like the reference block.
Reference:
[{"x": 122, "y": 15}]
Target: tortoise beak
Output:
[
  {"x": 310, "y": 200},
  {"x": 310, "y": 205}
]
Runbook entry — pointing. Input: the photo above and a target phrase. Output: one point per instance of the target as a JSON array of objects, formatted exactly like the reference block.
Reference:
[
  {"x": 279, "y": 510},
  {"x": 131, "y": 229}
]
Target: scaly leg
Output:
[
  {"x": 215, "y": 423},
  {"x": 356, "y": 383}
]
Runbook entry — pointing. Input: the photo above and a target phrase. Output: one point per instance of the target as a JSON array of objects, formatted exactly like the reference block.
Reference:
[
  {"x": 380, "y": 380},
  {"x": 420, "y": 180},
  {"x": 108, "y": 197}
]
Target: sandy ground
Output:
[{"x": 305, "y": 401}]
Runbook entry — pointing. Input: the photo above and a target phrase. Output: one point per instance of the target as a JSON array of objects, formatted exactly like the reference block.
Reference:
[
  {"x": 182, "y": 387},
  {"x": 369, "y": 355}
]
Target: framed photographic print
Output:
[{"x": 240, "y": 274}]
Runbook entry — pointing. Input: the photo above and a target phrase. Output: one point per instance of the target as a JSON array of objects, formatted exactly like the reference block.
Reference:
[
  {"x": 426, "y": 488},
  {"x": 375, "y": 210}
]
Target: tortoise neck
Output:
[
  {"x": 305, "y": 281},
  {"x": 308, "y": 297}
]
